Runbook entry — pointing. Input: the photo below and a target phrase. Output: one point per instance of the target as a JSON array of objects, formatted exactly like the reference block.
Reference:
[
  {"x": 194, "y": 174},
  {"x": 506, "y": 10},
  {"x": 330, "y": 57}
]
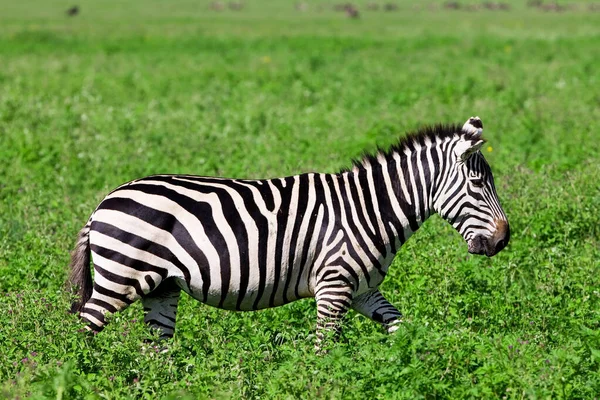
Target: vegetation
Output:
[{"x": 125, "y": 89}]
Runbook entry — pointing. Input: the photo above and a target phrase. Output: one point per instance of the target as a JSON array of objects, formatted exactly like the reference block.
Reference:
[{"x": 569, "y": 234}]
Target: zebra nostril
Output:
[{"x": 500, "y": 245}]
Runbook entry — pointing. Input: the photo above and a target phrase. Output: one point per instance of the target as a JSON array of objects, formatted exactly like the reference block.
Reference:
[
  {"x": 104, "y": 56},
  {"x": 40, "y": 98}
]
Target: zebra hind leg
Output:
[
  {"x": 103, "y": 302},
  {"x": 160, "y": 307},
  {"x": 333, "y": 303},
  {"x": 375, "y": 307}
]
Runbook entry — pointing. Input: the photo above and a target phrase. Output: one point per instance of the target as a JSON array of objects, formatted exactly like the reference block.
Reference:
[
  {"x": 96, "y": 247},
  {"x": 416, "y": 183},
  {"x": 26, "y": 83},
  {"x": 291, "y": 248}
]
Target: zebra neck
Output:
[{"x": 395, "y": 195}]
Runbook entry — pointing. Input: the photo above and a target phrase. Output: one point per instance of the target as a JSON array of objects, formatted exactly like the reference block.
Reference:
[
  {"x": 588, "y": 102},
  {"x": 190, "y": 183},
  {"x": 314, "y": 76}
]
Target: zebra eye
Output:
[{"x": 477, "y": 182}]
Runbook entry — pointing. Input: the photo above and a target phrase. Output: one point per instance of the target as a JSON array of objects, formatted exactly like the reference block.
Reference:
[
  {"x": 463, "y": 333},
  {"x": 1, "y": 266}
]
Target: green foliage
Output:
[{"x": 127, "y": 89}]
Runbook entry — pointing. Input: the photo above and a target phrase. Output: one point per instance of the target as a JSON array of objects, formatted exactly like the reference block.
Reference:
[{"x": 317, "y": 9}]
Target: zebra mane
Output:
[{"x": 431, "y": 133}]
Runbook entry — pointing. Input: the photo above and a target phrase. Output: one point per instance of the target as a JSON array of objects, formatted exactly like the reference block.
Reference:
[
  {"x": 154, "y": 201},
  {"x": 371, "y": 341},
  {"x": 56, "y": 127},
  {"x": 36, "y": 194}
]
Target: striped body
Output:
[
  {"x": 239, "y": 244},
  {"x": 253, "y": 244}
]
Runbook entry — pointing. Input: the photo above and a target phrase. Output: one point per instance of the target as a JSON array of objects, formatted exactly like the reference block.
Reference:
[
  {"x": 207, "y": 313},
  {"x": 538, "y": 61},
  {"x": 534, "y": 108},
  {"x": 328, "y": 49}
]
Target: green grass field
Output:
[{"x": 131, "y": 88}]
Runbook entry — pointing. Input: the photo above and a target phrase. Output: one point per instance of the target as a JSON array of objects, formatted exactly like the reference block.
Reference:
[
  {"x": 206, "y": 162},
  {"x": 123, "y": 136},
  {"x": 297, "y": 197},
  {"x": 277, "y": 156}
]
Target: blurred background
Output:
[{"x": 96, "y": 93}]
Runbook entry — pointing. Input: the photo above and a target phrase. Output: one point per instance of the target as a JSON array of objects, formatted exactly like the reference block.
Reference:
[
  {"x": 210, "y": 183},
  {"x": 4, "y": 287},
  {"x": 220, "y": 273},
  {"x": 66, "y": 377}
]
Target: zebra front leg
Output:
[
  {"x": 160, "y": 307},
  {"x": 333, "y": 302},
  {"x": 375, "y": 307}
]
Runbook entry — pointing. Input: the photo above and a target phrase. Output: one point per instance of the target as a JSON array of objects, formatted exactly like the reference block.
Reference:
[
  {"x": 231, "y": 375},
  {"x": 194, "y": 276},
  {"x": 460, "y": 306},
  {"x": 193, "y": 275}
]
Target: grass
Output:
[{"x": 133, "y": 88}]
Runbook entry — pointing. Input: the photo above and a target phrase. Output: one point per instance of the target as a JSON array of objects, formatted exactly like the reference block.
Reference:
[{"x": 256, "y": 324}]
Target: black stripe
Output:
[
  {"x": 335, "y": 205},
  {"x": 385, "y": 207},
  {"x": 337, "y": 277},
  {"x": 203, "y": 212},
  {"x": 316, "y": 230},
  {"x": 310, "y": 232},
  {"x": 94, "y": 313},
  {"x": 430, "y": 170},
  {"x": 107, "y": 306},
  {"x": 444, "y": 178},
  {"x": 339, "y": 262},
  {"x": 420, "y": 193},
  {"x": 363, "y": 247},
  {"x": 265, "y": 191},
  {"x": 282, "y": 220},
  {"x": 454, "y": 196},
  {"x": 481, "y": 227},
  {"x": 94, "y": 327},
  {"x": 262, "y": 225},
  {"x": 407, "y": 207},
  {"x": 367, "y": 212},
  {"x": 326, "y": 314},
  {"x": 150, "y": 282},
  {"x": 167, "y": 317},
  {"x": 121, "y": 280},
  {"x": 139, "y": 242},
  {"x": 339, "y": 303},
  {"x": 234, "y": 220},
  {"x": 302, "y": 242},
  {"x": 109, "y": 293},
  {"x": 133, "y": 263}
]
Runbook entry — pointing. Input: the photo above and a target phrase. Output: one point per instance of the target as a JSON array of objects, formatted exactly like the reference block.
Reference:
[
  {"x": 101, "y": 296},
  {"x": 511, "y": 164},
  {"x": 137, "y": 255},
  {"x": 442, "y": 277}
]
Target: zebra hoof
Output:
[{"x": 393, "y": 326}]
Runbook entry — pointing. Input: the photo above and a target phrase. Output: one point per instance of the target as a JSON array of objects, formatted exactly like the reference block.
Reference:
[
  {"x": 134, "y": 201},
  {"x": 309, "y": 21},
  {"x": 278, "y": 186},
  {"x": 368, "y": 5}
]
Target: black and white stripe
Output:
[{"x": 252, "y": 244}]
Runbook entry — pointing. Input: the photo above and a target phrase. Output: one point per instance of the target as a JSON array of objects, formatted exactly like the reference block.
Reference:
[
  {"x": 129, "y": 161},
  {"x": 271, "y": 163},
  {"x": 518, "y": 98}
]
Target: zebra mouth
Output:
[
  {"x": 477, "y": 246},
  {"x": 490, "y": 246}
]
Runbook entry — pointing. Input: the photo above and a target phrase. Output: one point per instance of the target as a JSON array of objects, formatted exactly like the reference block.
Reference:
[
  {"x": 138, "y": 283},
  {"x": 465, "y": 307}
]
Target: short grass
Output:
[{"x": 130, "y": 88}]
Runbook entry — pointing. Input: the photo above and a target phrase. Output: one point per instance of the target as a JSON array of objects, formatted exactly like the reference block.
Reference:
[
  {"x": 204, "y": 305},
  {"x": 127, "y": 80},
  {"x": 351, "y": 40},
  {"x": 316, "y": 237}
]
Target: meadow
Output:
[{"x": 131, "y": 88}]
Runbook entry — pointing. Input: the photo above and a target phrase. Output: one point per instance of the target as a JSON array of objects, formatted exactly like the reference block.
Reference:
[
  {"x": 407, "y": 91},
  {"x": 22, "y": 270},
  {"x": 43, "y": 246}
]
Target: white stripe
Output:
[
  {"x": 252, "y": 232},
  {"x": 212, "y": 199},
  {"x": 272, "y": 227},
  {"x": 92, "y": 319},
  {"x": 125, "y": 271},
  {"x": 192, "y": 225},
  {"x": 350, "y": 235},
  {"x": 151, "y": 233},
  {"x": 393, "y": 200},
  {"x": 330, "y": 224},
  {"x": 305, "y": 288},
  {"x": 111, "y": 243},
  {"x": 369, "y": 243},
  {"x": 302, "y": 235},
  {"x": 287, "y": 237},
  {"x": 361, "y": 200}
]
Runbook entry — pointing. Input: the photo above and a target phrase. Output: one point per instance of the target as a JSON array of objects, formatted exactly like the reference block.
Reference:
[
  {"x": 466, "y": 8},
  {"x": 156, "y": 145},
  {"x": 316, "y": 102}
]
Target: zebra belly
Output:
[
  {"x": 137, "y": 254},
  {"x": 250, "y": 300}
]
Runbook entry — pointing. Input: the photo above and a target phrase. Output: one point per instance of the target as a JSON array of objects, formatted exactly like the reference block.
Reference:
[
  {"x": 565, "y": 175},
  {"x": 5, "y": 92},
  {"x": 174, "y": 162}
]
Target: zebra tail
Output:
[{"x": 80, "y": 280}]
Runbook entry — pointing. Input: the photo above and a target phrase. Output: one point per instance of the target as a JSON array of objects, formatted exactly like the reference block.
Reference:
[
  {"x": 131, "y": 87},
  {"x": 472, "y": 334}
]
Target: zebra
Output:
[{"x": 243, "y": 245}]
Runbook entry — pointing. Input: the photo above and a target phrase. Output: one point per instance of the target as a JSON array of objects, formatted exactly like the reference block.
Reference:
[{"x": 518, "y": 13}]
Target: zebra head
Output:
[{"x": 467, "y": 198}]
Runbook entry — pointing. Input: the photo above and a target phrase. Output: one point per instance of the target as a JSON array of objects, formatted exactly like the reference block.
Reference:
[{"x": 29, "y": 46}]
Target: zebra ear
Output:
[
  {"x": 467, "y": 147},
  {"x": 470, "y": 144},
  {"x": 473, "y": 126}
]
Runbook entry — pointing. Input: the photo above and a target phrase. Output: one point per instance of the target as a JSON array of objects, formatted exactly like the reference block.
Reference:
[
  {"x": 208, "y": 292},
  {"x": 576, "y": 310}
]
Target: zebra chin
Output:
[{"x": 490, "y": 246}]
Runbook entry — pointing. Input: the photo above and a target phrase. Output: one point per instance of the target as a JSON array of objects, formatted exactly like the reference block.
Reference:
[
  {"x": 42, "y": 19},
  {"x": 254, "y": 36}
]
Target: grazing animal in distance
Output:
[
  {"x": 244, "y": 245},
  {"x": 73, "y": 11},
  {"x": 302, "y": 7},
  {"x": 452, "y": 5},
  {"x": 236, "y": 5},
  {"x": 217, "y": 6},
  {"x": 352, "y": 12}
]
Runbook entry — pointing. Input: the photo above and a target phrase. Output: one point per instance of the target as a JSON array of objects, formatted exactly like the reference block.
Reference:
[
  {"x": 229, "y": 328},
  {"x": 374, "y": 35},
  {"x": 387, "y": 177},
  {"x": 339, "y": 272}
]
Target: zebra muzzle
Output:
[{"x": 490, "y": 246}]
